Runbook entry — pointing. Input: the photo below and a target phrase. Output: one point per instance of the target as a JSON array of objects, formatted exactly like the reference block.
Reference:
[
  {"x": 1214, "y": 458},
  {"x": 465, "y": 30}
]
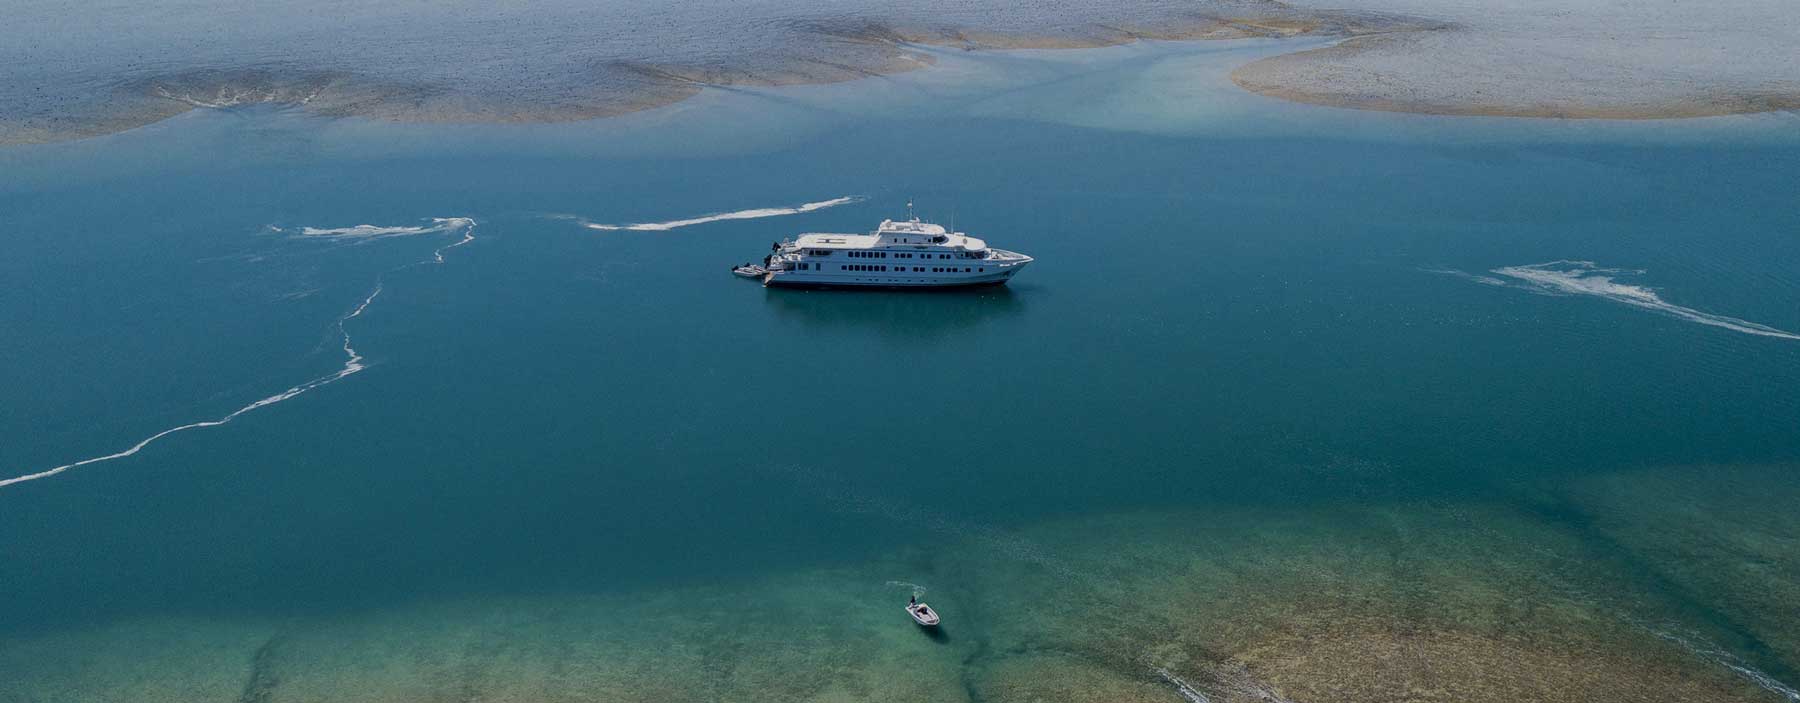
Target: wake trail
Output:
[
  {"x": 1566, "y": 277},
  {"x": 737, "y": 215},
  {"x": 353, "y": 360}
]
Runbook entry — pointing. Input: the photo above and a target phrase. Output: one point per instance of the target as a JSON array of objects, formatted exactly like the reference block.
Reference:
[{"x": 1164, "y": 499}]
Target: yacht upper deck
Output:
[{"x": 903, "y": 235}]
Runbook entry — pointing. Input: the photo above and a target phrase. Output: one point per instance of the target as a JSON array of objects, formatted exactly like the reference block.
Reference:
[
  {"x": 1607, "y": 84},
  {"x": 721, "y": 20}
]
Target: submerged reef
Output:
[{"x": 1577, "y": 593}]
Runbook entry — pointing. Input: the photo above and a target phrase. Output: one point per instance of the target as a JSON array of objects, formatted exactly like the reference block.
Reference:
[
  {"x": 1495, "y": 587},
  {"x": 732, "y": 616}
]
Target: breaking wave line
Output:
[
  {"x": 1567, "y": 277},
  {"x": 738, "y": 215},
  {"x": 353, "y": 360}
]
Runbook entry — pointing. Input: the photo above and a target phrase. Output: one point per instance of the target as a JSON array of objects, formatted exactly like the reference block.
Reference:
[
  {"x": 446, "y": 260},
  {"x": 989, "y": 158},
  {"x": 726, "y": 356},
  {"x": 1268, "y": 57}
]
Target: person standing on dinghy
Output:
[{"x": 921, "y": 613}]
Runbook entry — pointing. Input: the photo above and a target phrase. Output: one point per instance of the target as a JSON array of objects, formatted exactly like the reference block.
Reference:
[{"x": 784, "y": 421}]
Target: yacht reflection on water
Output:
[{"x": 922, "y": 313}]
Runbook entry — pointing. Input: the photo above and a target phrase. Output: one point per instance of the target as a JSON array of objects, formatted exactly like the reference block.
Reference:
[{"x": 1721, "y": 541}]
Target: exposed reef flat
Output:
[
  {"x": 336, "y": 94},
  {"x": 1583, "y": 60},
  {"x": 567, "y": 74},
  {"x": 563, "y": 63}
]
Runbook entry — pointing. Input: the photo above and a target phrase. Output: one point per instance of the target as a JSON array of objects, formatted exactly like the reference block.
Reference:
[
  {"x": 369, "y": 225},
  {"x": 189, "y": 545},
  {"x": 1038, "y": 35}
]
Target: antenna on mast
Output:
[{"x": 909, "y": 211}]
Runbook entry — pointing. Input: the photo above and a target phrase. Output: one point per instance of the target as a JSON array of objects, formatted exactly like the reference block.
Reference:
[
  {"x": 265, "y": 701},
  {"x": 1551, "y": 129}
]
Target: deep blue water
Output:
[{"x": 1216, "y": 325}]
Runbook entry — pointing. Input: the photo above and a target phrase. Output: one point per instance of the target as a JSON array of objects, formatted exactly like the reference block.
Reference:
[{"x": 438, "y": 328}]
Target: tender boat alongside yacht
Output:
[{"x": 898, "y": 254}]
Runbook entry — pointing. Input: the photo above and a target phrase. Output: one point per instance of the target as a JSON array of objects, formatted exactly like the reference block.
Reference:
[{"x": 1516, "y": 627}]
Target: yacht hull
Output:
[{"x": 779, "y": 282}]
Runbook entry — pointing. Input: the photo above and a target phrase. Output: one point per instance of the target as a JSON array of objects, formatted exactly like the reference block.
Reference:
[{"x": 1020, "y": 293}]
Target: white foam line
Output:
[
  {"x": 1584, "y": 278},
  {"x": 1484, "y": 280},
  {"x": 353, "y": 363},
  {"x": 371, "y": 232},
  {"x": 1727, "y": 660},
  {"x": 739, "y": 215},
  {"x": 1181, "y": 686},
  {"x": 468, "y": 225}
]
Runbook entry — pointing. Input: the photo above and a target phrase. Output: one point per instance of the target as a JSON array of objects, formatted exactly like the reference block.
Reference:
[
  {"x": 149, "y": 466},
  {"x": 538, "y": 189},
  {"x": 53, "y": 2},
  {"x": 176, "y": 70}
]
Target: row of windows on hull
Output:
[
  {"x": 884, "y": 255},
  {"x": 903, "y": 269}
]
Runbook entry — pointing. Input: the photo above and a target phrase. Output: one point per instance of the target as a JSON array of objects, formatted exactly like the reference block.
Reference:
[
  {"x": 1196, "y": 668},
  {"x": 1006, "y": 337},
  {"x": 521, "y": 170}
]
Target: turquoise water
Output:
[{"x": 1276, "y": 410}]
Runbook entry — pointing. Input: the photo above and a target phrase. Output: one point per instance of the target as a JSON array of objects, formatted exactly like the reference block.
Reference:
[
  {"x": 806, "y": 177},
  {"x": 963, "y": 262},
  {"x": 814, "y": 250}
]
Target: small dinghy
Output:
[
  {"x": 922, "y": 614},
  {"x": 750, "y": 271}
]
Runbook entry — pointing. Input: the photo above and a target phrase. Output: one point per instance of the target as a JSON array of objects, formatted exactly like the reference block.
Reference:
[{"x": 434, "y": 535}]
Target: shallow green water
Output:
[{"x": 1270, "y": 413}]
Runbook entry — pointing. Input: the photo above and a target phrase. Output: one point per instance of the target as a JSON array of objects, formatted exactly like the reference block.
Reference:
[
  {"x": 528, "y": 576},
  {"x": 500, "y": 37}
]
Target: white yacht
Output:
[{"x": 908, "y": 254}]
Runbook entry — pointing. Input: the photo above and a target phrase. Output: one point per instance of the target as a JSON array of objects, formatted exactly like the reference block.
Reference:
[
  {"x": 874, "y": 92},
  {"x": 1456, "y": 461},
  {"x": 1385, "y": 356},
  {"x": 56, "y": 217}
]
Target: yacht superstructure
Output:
[{"x": 898, "y": 254}]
